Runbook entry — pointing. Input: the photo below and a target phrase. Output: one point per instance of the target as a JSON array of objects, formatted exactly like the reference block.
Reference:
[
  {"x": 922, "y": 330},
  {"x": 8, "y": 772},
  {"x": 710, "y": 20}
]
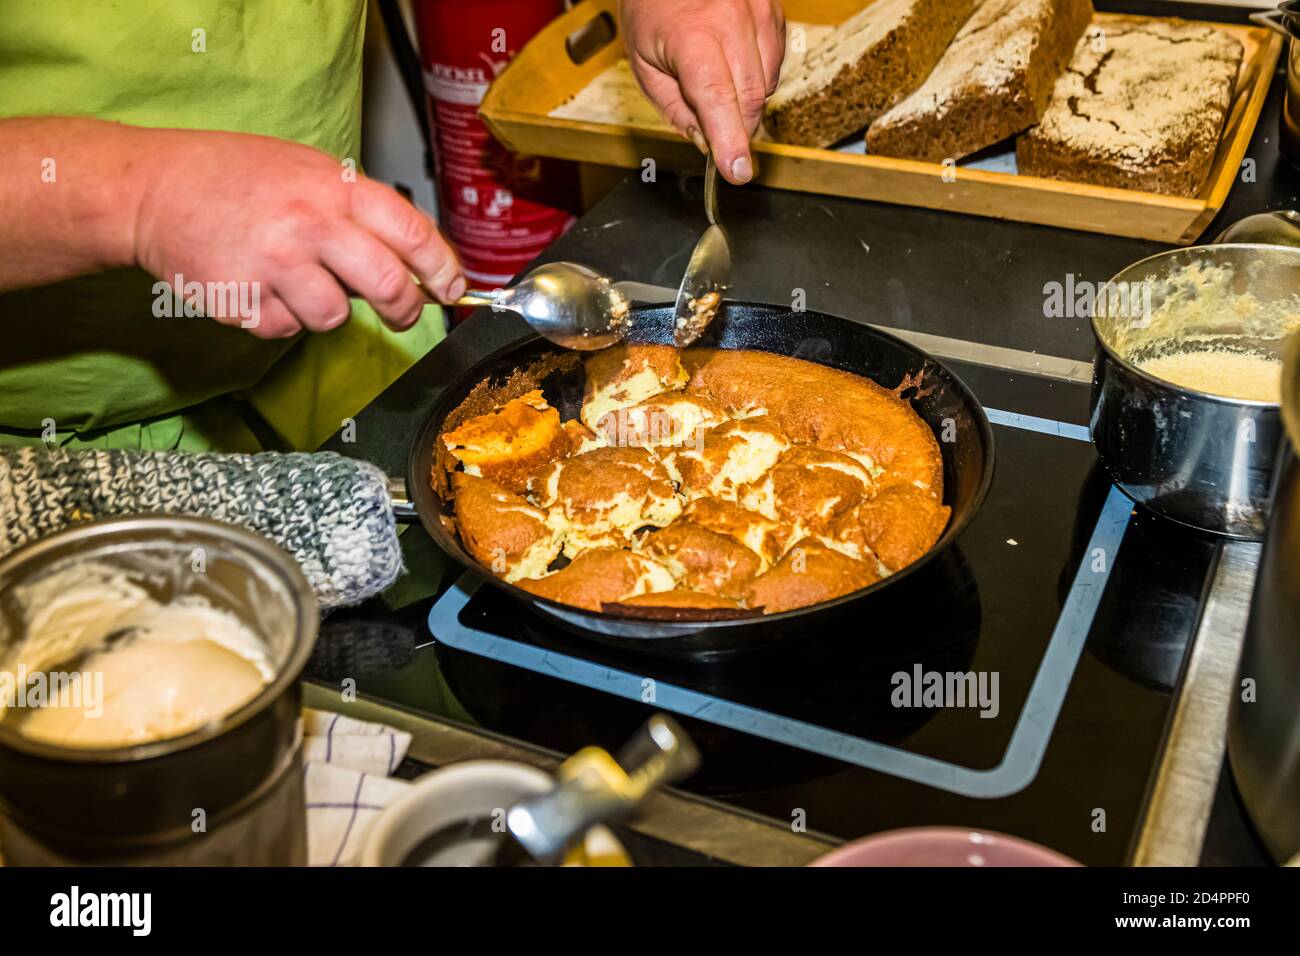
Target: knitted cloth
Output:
[{"x": 333, "y": 514}]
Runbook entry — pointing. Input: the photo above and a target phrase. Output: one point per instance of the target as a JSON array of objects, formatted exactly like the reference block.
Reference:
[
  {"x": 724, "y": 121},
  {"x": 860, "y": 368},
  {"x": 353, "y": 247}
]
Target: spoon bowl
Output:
[
  {"x": 708, "y": 273},
  {"x": 571, "y": 305}
]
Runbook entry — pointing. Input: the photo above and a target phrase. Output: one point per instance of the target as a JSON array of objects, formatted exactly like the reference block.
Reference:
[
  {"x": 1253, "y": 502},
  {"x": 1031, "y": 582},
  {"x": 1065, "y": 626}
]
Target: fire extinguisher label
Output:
[
  {"x": 452, "y": 85},
  {"x": 499, "y": 209}
]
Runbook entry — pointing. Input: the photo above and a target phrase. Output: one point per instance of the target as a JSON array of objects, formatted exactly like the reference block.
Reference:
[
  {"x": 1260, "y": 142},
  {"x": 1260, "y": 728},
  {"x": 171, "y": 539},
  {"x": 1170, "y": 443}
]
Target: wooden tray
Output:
[{"x": 545, "y": 74}]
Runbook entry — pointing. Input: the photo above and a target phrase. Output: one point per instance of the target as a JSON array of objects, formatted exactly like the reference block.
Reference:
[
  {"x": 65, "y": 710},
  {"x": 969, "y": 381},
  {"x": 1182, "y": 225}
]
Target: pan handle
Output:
[
  {"x": 403, "y": 508},
  {"x": 1272, "y": 19}
]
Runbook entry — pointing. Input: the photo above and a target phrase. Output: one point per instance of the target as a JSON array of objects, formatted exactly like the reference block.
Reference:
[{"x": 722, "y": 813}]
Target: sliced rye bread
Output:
[
  {"x": 993, "y": 81},
  {"x": 867, "y": 64},
  {"x": 1140, "y": 108}
]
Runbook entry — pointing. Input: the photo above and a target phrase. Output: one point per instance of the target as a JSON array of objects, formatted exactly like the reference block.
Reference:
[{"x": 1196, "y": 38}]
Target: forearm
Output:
[{"x": 69, "y": 194}]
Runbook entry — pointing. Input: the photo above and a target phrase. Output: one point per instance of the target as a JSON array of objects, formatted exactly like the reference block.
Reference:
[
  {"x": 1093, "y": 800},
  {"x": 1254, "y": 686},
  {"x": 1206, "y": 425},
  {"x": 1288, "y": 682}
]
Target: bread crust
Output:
[
  {"x": 1144, "y": 109},
  {"x": 867, "y": 64},
  {"x": 993, "y": 81}
]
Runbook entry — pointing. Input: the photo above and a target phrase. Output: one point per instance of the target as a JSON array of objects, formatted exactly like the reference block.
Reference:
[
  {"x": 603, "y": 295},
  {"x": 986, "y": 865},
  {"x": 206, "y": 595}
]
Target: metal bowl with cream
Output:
[
  {"x": 1186, "y": 383},
  {"x": 149, "y": 697}
]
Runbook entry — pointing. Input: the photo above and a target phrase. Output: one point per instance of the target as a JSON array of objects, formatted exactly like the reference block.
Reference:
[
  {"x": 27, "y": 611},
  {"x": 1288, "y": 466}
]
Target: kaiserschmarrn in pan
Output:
[{"x": 698, "y": 481}]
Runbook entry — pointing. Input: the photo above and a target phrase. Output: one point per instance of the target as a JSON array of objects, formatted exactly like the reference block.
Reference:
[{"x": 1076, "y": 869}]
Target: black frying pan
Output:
[{"x": 939, "y": 397}]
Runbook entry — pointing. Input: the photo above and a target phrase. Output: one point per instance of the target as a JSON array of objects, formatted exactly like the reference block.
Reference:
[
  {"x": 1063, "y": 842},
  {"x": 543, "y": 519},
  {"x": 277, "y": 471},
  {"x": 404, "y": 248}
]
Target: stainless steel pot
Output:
[
  {"x": 1264, "y": 715},
  {"x": 1196, "y": 458},
  {"x": 1286, "y": 21},
  {"x": 228, "y": 793}
]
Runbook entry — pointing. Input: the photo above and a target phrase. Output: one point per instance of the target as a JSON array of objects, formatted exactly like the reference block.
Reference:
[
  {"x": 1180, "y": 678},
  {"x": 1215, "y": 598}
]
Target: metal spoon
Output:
[
  {"x": 708, "y": 273},
  {"x": 570, "y": 304}
]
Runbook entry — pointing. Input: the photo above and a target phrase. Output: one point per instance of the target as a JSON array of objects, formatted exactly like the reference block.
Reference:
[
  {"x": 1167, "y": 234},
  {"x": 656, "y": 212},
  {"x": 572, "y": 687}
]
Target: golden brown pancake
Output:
[
  {"x": 512, "y": 443},
  {"x": 627, "y": 374},
  {"x": 817, "y": 405},
  {"x": 899, "y": 525},
  {"x": 700, "y": 559},
  {"x": 668, "y": 420},
  {"x": 601, "y": 576},
  {"x": 600, "y": 497},
  {"x": 763, "y": 536},
  {"x": 809, "y": 573},
  {"x": 809, "y": 488},
  {"x": 501, "y": 530},
  {"x": 729, "y": 456}
]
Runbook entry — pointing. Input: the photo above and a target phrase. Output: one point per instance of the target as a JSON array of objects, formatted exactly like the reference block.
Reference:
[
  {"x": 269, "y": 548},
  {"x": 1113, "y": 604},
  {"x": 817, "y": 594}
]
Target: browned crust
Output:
[
  {"x": 862, "y": 90},
  {"x": 495, "y": 524},
  {"x": 681, "y": 605},
  {"x": 578, "y": 433},
  {"x": 511, "y": 444},
  {"x": 594, "y": 578},
  {"x": 809, "y": 574},
  {"x": 709, "y": 562},
  {"x": 698, "y": 472},
  {"x": 899, "y": 525},
  {"x": 808, "y": 492},
  {"x": 979, "y": 116},
  {"x": 618, "y": 363},
  {"x": 817, "y": 405},
  {"x": 484, "y": 399},
  {"x": 588, "y": 482},
  {"x": 687, "y": 599},
  {"x": 734, "y": 520},
  {"x": 1051, "y": 159}
]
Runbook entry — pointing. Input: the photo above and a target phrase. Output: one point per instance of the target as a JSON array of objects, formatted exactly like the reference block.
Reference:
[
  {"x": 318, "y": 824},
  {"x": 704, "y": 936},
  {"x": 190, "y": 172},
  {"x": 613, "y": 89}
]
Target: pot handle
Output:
[
  {"x": 1272, "y": 19},
  {"x": 1281, "y": 227},
  {"x": 1291, "y": 389},
  {"x": 403, "y": 508}
]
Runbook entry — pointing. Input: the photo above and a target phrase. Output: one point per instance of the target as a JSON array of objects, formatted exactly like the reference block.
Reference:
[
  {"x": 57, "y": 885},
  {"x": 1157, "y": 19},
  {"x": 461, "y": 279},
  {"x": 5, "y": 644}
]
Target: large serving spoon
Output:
[
  {"x": 571, "y": 305},
  {"x": 708, "y": 273}
]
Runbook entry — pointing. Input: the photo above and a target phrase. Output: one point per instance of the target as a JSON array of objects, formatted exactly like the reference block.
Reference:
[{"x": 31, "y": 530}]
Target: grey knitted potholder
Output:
[{"x": 333, "y": 514}]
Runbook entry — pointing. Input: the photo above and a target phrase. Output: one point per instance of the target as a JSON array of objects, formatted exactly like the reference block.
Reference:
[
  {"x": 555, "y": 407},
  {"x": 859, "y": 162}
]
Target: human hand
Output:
[
  {"x": 233, "y": 207},
  {"x": 709, "y": 66}
]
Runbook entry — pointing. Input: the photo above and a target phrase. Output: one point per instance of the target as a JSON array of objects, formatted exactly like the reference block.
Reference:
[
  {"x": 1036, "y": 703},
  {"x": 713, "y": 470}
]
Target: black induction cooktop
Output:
[{"x": 1023, "y": 683}]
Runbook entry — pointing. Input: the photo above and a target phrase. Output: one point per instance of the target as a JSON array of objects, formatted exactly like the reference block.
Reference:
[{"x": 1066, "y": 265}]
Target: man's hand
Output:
[
  {"x": 221, "y": 207},
  {"x": 83, "y": 195},
  {"x": 709, "y": 66}
]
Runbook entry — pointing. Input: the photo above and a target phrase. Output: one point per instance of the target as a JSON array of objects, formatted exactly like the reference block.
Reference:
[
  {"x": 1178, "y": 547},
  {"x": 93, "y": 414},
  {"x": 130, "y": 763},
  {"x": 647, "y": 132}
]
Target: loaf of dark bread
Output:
[
  {"x": 1141, "y": 106},
  {"x": 866, "y": 65},
  {"x": 993, "y": 81}
]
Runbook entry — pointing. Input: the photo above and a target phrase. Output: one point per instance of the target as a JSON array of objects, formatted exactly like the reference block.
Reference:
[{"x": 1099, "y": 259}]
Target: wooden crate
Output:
[{"x": 544, "y": 74}]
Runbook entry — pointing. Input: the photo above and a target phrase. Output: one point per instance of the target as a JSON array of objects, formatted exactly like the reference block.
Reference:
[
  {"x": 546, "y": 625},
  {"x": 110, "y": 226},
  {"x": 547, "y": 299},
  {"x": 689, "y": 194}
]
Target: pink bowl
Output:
[{"x": 942, "y": 846}]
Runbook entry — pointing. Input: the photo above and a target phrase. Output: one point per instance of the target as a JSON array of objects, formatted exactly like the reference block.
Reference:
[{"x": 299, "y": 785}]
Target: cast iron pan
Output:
[{"x": 941, "y": 399}]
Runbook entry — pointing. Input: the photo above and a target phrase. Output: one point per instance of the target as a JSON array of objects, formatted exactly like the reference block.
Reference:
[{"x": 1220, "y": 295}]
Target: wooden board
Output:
[{"x": 544, "y": 74}]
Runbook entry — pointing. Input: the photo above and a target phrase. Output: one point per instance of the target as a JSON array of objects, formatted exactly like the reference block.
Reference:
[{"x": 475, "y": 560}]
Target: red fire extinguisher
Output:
[{"x": 499, "y": 209}]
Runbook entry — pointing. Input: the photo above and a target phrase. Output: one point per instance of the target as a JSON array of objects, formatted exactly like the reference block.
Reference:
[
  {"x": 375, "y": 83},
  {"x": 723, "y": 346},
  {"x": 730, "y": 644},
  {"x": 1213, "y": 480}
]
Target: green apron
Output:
[{"x": 86, "y": 362}]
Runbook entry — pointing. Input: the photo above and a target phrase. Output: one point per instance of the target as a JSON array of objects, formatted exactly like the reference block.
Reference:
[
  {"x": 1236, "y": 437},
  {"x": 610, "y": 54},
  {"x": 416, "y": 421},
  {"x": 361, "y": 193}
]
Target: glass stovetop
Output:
[{"x": 1080, "y": 611}]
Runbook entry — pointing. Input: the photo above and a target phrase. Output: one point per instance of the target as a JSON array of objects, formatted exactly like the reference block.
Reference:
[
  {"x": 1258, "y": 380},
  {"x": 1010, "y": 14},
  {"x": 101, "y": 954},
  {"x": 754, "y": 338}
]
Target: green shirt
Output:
[{"x": 87, "y": 360}]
